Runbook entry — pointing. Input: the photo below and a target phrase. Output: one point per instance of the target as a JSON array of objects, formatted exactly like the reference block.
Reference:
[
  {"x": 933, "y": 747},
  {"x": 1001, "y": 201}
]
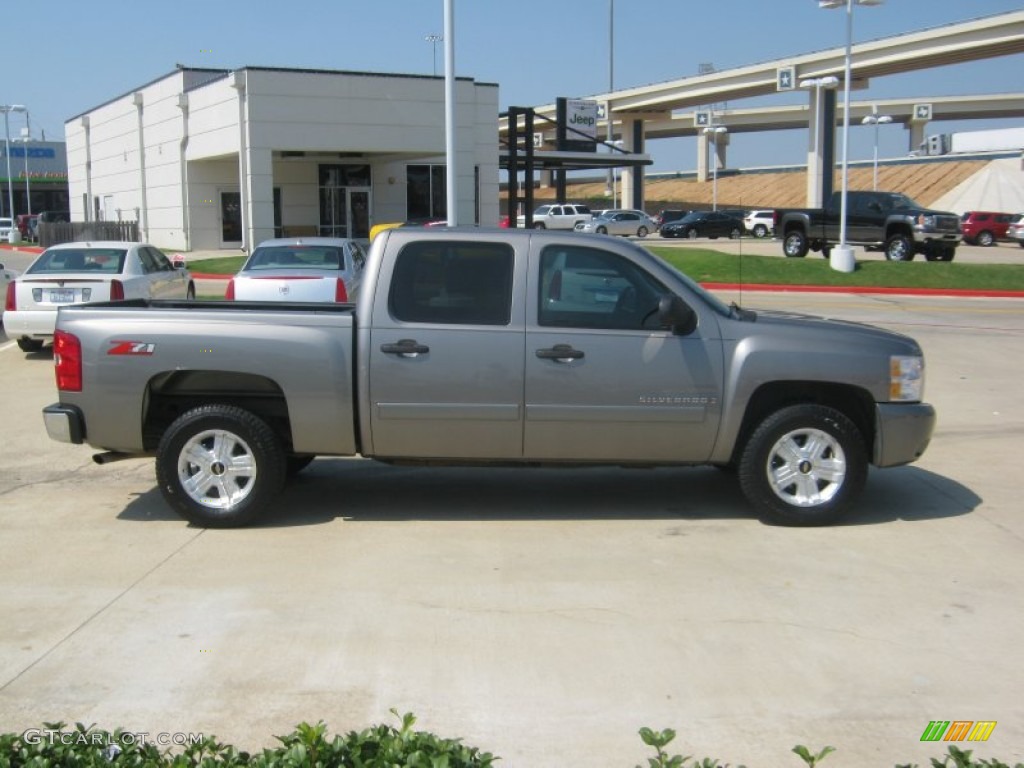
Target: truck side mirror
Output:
[{"x": 676, "y": 314}]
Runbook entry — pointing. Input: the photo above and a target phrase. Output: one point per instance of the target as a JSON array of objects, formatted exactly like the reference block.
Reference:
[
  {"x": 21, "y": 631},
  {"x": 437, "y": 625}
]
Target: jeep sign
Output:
[{"x": 577, "y": 124}]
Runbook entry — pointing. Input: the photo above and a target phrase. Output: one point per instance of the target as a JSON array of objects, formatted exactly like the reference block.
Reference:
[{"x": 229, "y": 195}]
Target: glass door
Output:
[
  {"x": 231, "y": 218},
  {"x": 359, "y": 212}
]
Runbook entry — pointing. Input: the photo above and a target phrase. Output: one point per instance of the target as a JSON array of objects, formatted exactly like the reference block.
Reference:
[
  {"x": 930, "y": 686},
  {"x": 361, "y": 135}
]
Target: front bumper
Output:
[
  {"x": 64, "y": 423},
  {"x": 902, "y": 432},
  {"x": 929, "y": 236}
]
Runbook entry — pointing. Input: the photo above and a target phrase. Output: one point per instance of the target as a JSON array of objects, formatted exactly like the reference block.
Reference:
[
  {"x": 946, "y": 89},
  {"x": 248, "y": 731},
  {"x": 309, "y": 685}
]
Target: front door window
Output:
[{"x": 344, "y": 201}]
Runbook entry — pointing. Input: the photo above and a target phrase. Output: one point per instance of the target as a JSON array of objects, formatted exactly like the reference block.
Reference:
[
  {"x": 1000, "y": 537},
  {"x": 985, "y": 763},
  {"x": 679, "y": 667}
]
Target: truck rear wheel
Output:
[
  {"x": 795, "y": 244},
  {"x": 899, "y": 248},
  {"x": 218, "y": 466},
  {"x": 803, "y": 465}
]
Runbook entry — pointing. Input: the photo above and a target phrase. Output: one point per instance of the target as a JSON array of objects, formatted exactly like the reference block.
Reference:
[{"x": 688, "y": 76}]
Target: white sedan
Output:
[
  {"x": 84, "y": 273},
  {"x": 319, "y": 269},
  {"x": 6, "y": 278}
]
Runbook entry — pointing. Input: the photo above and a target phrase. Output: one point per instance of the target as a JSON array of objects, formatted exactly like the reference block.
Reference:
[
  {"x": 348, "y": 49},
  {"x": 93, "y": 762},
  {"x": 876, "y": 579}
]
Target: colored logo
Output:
[{"x": 958, "y": 730}]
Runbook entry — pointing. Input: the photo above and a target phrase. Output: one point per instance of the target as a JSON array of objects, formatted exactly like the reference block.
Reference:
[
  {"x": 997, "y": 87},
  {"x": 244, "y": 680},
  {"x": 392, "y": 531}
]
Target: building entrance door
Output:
[{"x": 231, "y": 218}]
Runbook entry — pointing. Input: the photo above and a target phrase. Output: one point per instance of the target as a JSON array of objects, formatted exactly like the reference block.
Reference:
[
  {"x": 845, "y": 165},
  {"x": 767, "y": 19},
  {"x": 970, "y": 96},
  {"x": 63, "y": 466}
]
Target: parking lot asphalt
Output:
[{"x": 543, "y": 615}]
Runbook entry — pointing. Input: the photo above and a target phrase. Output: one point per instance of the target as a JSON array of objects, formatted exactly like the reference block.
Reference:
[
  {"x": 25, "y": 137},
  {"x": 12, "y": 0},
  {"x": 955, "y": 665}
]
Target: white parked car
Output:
[
  {"x": 321, "y": 269},
  {"x": 6, "y": 278},
  {"x": 619, "y": 222},
  {"x": 760, "y": 223},
  {"x": 85, "y": 273},
  {"x": 557, "y": 216},
  {"x": 5, "y": 229}
]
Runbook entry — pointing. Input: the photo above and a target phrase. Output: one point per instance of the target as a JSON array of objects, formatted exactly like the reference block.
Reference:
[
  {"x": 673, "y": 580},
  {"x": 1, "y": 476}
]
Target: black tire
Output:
[
  {"x": 602, "y": 230},
  {"x": 899, "y": 248},
  {"x": 828, "y": 475},
  {"x": 826, "y": 251},
  {"x": 190, "y": 294},
  {"x": 295, "y": 464},
  {"x": 986, "y": 239},
  {"x": 691, "y": 233},
  {"x": 203, "y": 444},
  {"x": 30, "y": 345},
  {"x": 539, "y": 225},
  {"x": 795, "y": 244},
  {"x": 760, "y": 230},
  {"x": 642, "y": 232}
]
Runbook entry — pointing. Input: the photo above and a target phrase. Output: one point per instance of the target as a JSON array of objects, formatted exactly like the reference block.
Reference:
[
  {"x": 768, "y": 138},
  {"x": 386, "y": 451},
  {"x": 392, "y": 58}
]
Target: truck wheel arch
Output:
[
  {"x": 853, "y": 402},
  {"x": 172, "y": 393}
]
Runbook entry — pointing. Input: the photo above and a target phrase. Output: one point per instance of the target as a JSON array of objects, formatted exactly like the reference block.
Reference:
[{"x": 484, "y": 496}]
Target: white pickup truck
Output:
[{"x": 481, "y": 346}]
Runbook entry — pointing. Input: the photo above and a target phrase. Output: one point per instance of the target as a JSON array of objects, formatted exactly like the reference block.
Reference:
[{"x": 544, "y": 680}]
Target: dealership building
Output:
[
  {"x": 207, "y": 159},
  {"x": 38, "y": 178}
]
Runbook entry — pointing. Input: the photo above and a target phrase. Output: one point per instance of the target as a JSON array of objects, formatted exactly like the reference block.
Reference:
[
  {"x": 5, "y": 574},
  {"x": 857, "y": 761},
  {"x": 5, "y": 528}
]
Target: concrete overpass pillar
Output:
[
  {"x": 916, "y": 135},
  {"x": 633, "y": 178},
  {"x": 820, "y": 146},
  {"x": 720, "y": 144}
]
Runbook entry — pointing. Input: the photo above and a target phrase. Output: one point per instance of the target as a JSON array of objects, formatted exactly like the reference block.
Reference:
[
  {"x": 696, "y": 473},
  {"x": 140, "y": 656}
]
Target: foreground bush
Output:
[{"x": 379, "y": 746}]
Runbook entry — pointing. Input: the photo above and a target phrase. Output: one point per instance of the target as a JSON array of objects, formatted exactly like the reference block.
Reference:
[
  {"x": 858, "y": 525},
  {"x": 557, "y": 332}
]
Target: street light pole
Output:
[
  {"x": 611, "y": 87},
  {"x": 841, "y": 258},
  {"x": 7, "y": 109},
  {"x": 434, "y": 40},
  {"x": 875, "y": 119},
  {"x": 714, "y": 131}
]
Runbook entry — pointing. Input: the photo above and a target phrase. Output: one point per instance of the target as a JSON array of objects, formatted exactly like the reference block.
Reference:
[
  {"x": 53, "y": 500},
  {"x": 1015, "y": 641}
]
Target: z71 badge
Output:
[{"x": 131, "y": 348}]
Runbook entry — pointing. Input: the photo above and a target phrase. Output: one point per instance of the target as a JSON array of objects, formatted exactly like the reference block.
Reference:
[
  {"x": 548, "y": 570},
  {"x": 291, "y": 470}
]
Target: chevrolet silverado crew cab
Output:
[
  {"x": 493, "y": 347},
  {"x": 881, "y": 220}
]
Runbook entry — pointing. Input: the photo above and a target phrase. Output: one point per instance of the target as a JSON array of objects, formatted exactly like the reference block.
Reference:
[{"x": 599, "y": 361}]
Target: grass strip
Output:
[{"x": 707, "y": 266}]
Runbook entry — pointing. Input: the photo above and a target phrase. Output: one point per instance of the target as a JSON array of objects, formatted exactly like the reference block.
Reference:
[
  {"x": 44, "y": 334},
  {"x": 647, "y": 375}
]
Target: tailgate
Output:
[{"x": 52, "y": 292}]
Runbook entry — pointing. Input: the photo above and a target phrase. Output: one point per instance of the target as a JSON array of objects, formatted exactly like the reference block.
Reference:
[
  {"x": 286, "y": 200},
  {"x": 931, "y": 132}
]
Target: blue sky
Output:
[{"x": 78, "y": 55}]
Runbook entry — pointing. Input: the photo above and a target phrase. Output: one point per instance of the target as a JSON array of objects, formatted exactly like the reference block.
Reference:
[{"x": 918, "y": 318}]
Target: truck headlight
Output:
[
  {"x": 925, "y": 221},
  {"x": 906, "y": 378}
]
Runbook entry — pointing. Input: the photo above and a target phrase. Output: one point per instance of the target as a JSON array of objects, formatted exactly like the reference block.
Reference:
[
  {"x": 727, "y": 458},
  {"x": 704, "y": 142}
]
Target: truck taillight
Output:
[
  {"x": 67, "y": 360},
  {"x": 340, "y": 294},
  {"x": 116, "y": 290},
  {"x": 229, "y": 294},
  {"x": 10, "y": 303}
]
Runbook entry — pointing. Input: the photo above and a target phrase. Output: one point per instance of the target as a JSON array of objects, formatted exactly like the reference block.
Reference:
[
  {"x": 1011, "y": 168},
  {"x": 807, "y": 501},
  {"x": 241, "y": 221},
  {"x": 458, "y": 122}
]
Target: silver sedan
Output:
[{"x": 620, "y": 222}]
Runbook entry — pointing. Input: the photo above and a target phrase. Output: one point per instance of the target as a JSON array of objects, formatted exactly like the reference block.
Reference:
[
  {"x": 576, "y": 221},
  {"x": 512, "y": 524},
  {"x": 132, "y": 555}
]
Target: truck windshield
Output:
[{"x": 902, "y": 202}]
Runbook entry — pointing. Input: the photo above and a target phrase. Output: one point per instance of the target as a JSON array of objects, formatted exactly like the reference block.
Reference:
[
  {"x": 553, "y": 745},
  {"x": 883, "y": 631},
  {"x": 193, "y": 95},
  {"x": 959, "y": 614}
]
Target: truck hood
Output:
[{"x": 799, "y": 325}]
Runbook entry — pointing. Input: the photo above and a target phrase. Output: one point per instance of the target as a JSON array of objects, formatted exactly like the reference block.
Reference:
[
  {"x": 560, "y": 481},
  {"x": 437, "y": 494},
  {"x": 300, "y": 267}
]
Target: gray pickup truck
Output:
[{"x": 481, "y": 346}]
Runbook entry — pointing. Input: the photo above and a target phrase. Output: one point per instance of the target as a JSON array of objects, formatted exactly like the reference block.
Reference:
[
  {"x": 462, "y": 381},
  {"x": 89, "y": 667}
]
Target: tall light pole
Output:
[
  {"x": 714, "y": 131},
  {"x": 876, "y": 119},
  {"x": 26, "y": 137},
  {"x": 434, "y": 40},
  {"x": 7, "y": 109},
  {"x": 841, "y": 258},
  {"x": 611, "y": 87},
  {"x": 818, "y": 84}
]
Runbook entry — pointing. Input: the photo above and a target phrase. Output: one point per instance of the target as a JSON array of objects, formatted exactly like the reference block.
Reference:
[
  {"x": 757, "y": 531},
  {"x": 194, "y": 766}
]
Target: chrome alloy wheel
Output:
[
  {"x": 216, "y": 469},
  {"x": 806, "y": 467}
]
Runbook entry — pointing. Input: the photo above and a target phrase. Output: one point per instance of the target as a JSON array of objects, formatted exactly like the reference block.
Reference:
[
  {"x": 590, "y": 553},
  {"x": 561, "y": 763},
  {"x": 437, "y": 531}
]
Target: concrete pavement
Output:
[{"x": 543, "y": 615}]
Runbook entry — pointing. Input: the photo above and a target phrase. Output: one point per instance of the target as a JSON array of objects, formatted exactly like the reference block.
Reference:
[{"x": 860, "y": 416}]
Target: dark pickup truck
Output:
[{"x": 887, "y": 221}]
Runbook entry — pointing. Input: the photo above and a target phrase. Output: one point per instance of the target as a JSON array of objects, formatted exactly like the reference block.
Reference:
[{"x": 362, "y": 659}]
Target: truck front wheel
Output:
[
  {"x": 795, "y": 244},
  {"x": 899, "y": 248},
  {"x": 803, "y": 465},
  {"x": 218, "y": 466}
]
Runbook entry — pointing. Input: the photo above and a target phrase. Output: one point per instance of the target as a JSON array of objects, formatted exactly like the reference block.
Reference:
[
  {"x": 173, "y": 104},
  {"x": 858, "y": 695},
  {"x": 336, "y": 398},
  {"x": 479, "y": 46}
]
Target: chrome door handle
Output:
[
  {"x": 560, "y": 353},
  {"x": 405, "y": 348}
]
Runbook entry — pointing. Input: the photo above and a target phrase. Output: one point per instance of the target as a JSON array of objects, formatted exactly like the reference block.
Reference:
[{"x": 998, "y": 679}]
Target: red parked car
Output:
[{"x": 985, "y": 227}]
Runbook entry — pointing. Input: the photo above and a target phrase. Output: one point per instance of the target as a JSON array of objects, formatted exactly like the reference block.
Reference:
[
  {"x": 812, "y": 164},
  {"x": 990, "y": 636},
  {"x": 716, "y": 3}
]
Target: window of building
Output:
[{"x": 426, "y": 192}]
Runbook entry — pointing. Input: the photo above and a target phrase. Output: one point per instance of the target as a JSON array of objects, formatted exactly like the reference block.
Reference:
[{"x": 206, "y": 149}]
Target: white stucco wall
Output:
[{"x": 192, "y": 139}]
